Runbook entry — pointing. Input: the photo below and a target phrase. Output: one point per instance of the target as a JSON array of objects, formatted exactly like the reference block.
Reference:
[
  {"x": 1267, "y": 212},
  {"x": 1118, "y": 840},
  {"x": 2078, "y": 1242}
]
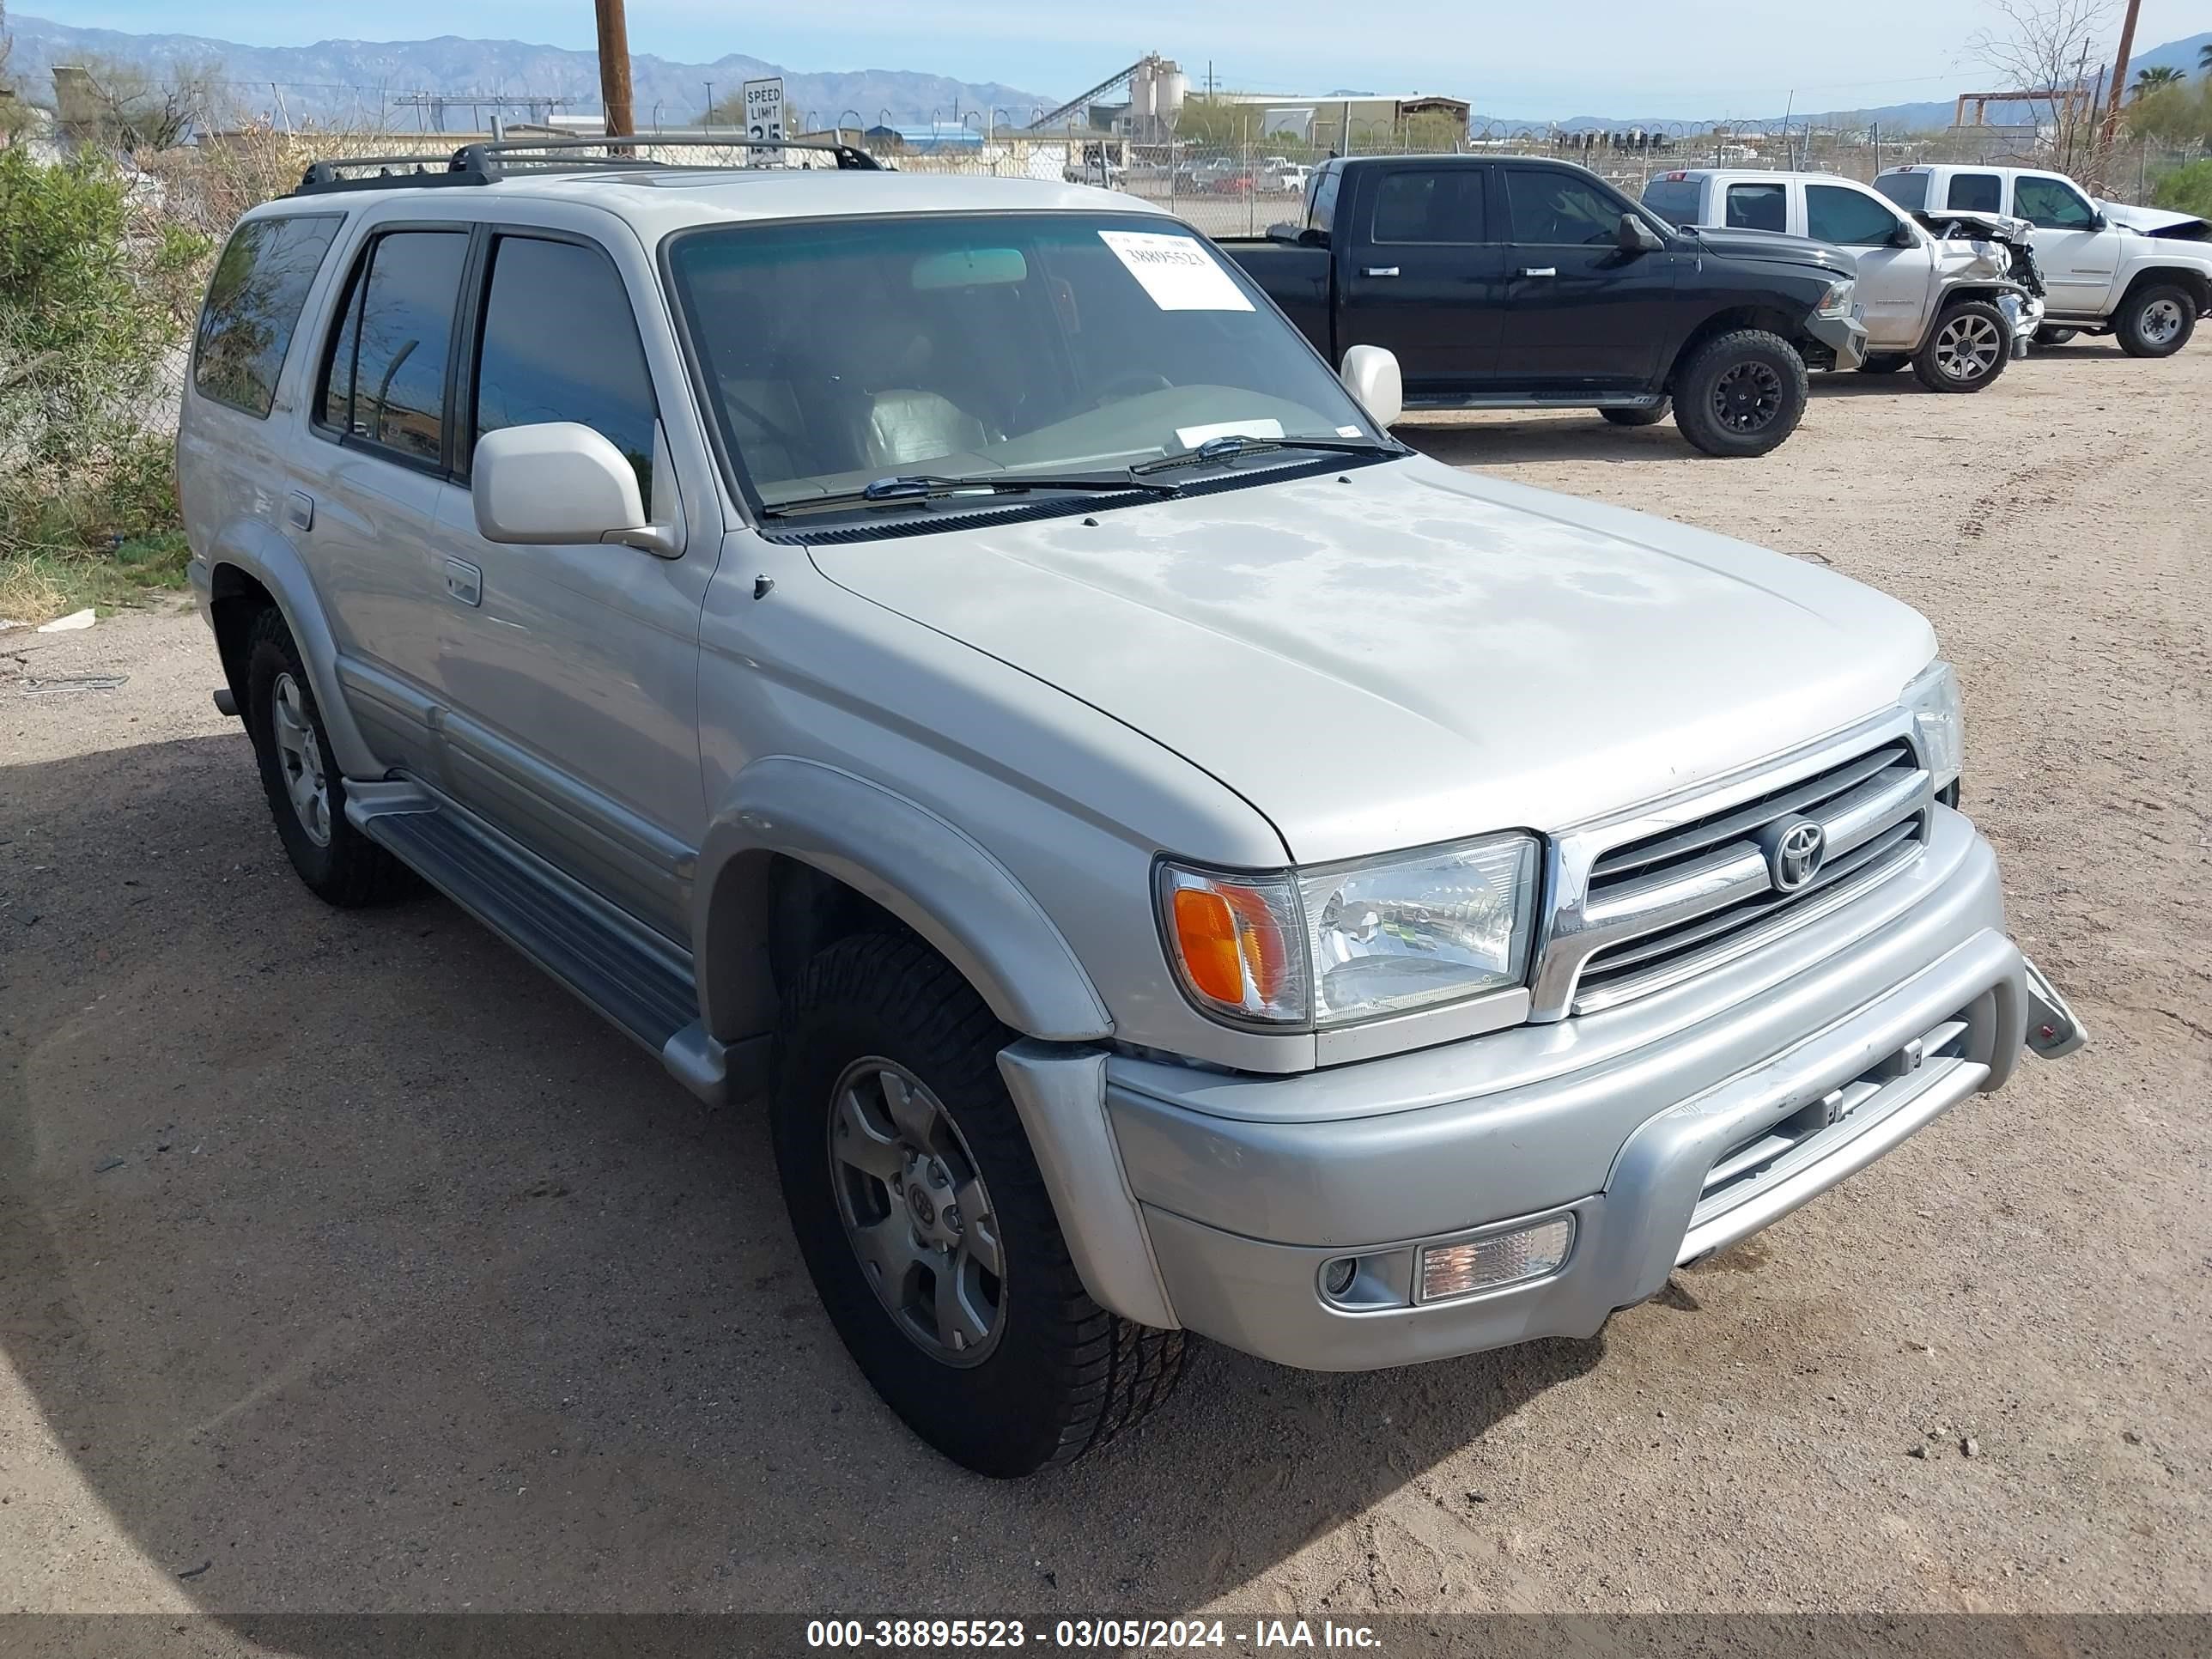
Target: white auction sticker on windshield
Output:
[{"x": 1175, "y": 270}]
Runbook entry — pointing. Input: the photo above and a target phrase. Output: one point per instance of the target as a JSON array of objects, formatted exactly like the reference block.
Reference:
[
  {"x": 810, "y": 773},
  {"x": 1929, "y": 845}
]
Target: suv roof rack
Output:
[{"x": 484, "y": 163}]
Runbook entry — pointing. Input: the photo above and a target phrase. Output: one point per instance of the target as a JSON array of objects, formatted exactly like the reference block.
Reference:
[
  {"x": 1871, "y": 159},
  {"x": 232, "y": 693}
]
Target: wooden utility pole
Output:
[
  {"x": 614, "y": 69},
  {"x": 2117, "y": 94}
]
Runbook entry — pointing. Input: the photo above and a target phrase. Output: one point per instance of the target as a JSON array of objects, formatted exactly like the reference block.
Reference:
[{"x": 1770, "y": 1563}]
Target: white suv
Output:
[
  {"x": 944, "y": 655},
  {"x": 2104, "y": 275}
]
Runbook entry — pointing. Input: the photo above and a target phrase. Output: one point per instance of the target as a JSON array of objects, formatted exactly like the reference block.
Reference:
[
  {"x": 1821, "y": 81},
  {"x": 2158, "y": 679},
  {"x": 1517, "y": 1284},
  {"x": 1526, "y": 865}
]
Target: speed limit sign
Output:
[{"x": 764, "y": 120}]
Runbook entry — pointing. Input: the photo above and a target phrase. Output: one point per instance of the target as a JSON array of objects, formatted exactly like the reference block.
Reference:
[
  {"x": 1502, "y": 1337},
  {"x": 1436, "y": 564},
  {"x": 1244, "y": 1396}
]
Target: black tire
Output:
[
  {"x": 2051, "y": 334},
  {"x": 2155, "y": 320},
  {"x": 1967, "y": 349},
  {"x": 1651, "y": 417},
  {"x": 345, "y": 868},
  {"x": 1741, "y": 394},
  {"x": 1884, "y": 362},
  {"x": 1060, "y": 1375}
]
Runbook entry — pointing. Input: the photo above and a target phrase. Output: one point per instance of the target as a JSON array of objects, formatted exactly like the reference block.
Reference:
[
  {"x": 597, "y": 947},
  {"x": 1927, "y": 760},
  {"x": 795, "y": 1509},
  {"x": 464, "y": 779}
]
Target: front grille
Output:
[{"x": 1706, "y": 888}]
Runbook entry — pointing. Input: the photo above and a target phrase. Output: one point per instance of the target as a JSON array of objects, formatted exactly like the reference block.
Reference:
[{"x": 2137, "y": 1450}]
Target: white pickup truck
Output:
[
  {"x": 1949, "y": 305},
  {"x": 2143, "y": 276}
]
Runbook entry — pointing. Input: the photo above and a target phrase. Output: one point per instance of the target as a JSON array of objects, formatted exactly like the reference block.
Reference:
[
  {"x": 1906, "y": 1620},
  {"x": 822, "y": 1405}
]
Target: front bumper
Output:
[
  {"x": 1845, "y": 337},
  {"x": 2024, "y": 313},
  {"x": 1818, "y": 1053}
]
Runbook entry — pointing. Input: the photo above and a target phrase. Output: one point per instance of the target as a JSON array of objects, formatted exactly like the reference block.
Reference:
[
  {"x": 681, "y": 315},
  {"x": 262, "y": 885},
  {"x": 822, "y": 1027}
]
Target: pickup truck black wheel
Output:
[
  {"x": 1651, "y": 417},
  {"x": 2050, "y": 335},
  {"x": 1884, "y": 362},
  {"x": 1968, "y": 347},
  {"x": 307, "y": 794},
  {"x": 2155, "y": 322},
  {"x": 925, "y": 1224},
  {"x": 1741, "y": 394}
]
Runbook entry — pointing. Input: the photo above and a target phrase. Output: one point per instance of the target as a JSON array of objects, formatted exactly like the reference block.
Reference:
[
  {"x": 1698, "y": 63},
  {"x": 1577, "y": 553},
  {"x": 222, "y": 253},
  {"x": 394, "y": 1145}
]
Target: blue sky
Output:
[{"x": 1648, "y": 57}]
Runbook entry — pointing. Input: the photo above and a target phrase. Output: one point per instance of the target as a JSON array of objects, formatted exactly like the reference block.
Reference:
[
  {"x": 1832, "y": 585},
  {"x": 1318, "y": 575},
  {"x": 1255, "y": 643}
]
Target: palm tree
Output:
[{"x": 2151, "y": 80}]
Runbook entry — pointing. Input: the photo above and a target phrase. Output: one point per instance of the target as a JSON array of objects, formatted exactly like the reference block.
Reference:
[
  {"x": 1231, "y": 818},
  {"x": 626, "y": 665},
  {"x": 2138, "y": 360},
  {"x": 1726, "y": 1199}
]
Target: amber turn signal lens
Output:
[
  {"x": 1232, "y": 940},
  {"x": 1206, "y": 933}
]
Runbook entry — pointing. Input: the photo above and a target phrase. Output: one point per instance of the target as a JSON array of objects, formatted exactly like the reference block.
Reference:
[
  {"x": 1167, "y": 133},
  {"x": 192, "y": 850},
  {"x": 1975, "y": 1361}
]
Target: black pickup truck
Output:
[{"x": 1512, "y": 282}]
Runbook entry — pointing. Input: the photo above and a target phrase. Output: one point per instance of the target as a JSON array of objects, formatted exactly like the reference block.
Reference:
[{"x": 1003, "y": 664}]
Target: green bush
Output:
[
  {"x": 96, "y": 292},
  {"x": 2186, "y": 189}
]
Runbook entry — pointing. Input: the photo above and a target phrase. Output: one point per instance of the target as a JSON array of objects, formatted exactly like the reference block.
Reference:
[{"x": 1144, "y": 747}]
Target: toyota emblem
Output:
[{"x": 1794, "y": 849}]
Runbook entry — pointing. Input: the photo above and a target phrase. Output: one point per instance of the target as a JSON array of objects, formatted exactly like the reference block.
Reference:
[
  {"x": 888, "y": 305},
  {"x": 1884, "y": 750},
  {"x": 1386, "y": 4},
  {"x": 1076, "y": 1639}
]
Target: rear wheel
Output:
[
  {"x": 927, "y": 1227},
  {"x": 307, "y": 794},
  {"x": 2051, "y": 334},
  {"x": 1651, "y": 417},
  {"x": 1969, "y": 348},
  {"x": 2155, "y": 322},
  {"x": 1741, "y": 394},
  {"x": 1884, "y": 362}
]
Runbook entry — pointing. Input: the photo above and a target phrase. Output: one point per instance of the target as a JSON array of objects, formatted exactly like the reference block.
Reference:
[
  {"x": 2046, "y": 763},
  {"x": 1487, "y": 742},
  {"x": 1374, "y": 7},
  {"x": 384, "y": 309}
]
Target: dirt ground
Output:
[{"x": 346, "y": 1264}]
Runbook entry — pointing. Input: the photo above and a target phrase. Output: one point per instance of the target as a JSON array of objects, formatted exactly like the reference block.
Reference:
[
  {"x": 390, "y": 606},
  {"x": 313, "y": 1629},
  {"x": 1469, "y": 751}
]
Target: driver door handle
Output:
[
  {"x": 1378, "y": 270},
  {"x": 1540, "y": 271}
]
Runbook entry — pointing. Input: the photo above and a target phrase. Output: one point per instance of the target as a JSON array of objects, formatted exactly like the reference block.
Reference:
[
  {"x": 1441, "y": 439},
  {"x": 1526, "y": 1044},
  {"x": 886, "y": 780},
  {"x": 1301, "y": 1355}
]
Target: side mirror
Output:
[
  {"x": 1637, "y": 237},
  {"x": 560, "y": 483},
  {"x": 1284, "y": 231},
  {"x": 2098, "y": 221},
  {"x": 1903, "y": 236},
  {"x": 1370, "y": 376}
]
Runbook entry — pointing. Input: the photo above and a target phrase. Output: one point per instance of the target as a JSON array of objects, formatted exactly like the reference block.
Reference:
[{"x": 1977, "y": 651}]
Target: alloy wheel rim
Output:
[
  {"x": 1968, "y": 347},
  {"x": 2161, "y": 321},
  {"x": 300, "y": 757},
  {"x": 916, "y": 1212},
  {"x": 1748, "y": 397}
]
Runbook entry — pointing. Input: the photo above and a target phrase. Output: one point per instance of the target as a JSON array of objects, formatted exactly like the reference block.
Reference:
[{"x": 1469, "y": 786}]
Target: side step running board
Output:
[{"x": 629, "y": 973}]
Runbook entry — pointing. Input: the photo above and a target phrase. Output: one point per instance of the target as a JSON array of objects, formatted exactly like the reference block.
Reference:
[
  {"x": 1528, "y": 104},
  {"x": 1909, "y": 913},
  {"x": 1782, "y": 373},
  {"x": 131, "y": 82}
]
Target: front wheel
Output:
[
  {"x": 1651, "y": 417},
  {"x": 1969, "y": 347},
  {"x": 2155, "y": 322},
  {"x": 927, "y": 1227},
  {"x": 1741, "y": 394}
]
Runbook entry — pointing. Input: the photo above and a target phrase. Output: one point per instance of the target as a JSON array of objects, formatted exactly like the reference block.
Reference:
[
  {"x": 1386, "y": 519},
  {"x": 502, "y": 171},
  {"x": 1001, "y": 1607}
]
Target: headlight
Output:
[
  {"x": 1937, "y": 724},
  {"x": 1349, "y": 942},
  {"x": 1837, "y": 301}
]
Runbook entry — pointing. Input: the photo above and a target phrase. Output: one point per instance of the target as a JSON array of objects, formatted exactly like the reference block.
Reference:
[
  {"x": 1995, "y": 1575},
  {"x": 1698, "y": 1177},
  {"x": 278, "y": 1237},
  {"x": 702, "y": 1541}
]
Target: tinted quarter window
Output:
[
  {"x": 2051, "y": 205},
  {"x": 253, "y": 304},
  {"x": 1321, "y": 203},
  {"x": 1558, "y": 208},
  {"x": 1757, "y": 207},
  {"x": 1674, "y": 200},
  {"x": 1437, "y": 204},
  {"x": 1975, "y": 192},
  {"x": 386, "y": 382},
  {"x": 560, "y": 343},
  {"x": 1908, "y": 190},
  {"x": 1846, "y": 218}
]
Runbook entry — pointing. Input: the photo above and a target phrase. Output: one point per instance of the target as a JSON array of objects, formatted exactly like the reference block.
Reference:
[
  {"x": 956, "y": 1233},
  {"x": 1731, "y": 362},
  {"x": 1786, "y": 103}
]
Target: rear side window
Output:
[
  {"x": 1559, "y": 210},
  {"x": 1846, "y": 218},
  {"x": 1320, "y": 201},
  {"x": 1435, "y": 204},
  {"x": 253, "y": 304},
  {"x": 560, "y": 343},
  {"x": 1757, "y": 207},
  {"x": 385, "y": 380},
  {"x": 1975, "y": 192},
  {"x": 1674, "y": 200},
  {"x": 1908, "y": 190}
]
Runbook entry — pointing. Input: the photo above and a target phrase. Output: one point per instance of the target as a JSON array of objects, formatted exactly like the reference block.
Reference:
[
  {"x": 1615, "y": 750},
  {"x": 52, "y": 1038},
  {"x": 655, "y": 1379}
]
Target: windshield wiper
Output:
[
  {"x": 1230, "y": 445},
  {"x": 930, "y": 486}
]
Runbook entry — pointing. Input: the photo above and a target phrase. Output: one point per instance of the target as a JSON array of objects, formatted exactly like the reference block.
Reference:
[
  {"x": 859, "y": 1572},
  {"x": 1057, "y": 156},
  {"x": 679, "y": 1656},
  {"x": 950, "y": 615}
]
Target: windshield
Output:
[{"x": 838, "y": 352}]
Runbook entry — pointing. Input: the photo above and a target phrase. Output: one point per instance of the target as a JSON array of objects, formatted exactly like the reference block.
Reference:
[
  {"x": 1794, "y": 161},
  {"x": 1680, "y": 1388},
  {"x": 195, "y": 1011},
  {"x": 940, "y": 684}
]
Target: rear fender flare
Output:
[
  {"x": 260, "y": 552},
  {"x": 929, "y": 873}
]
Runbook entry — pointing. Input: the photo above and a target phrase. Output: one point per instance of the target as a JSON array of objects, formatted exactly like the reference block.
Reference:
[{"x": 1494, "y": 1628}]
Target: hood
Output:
[
  {"x": 2158, "y": 222},
  {"x": 1404, "y": 653},
  {"x": 1775, "y": 246}
]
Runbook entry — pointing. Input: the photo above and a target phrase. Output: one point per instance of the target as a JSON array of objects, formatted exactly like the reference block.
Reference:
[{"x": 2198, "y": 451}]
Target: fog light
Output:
[
  {"x": 1486, "y": 1264},
  {"x": 1336, "y": 1277}
]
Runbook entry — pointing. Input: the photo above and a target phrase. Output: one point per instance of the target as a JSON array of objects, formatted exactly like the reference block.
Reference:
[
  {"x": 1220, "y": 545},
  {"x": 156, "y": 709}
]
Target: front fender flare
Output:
[
  {"x": 928, "y": 872},
  {"x": 260, "y": 552}
]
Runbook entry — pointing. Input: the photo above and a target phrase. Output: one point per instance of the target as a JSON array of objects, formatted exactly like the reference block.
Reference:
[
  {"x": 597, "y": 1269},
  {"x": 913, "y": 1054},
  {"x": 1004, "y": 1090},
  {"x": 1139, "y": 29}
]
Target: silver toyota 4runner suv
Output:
[{"x": 946, "y": 655}]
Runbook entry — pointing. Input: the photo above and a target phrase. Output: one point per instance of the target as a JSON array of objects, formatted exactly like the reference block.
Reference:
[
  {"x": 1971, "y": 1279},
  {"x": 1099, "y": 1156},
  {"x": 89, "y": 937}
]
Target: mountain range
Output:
[{"x": 351, "y": 82}]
